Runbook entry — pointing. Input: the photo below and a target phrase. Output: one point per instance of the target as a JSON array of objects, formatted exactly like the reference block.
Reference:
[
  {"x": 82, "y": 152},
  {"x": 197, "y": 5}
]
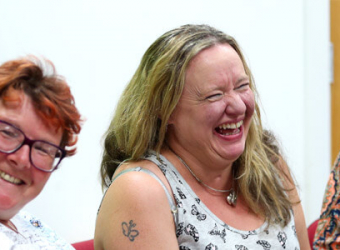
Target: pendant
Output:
[{"x": 232, "y": 198}]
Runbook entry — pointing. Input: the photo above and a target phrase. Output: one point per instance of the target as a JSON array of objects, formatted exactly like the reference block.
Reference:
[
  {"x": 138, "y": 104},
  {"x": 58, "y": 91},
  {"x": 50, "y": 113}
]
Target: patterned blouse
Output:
[
  {"x": 327, "y": 234},
  {"x": 33, "y": 235},
  {"x": 198, "y": 228}
]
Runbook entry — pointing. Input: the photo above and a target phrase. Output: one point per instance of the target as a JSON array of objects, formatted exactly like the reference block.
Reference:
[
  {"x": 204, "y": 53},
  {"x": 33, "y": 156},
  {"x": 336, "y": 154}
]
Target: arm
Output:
[
  {"x": 299, "y": 217},
  {"x": 300, "y": 224},
  {"x": 135, "y": 214}
]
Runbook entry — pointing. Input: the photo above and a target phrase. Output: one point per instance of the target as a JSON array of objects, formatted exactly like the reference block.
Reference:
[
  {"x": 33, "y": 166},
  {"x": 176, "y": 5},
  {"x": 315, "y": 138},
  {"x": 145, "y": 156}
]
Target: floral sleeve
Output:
[{"x": 327, "y": 234}]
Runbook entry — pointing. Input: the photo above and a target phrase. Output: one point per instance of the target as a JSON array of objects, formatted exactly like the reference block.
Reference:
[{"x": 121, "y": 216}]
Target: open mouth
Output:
[
  {"x": 10, "y": 178},
  {"x": 229, "y": 128}
]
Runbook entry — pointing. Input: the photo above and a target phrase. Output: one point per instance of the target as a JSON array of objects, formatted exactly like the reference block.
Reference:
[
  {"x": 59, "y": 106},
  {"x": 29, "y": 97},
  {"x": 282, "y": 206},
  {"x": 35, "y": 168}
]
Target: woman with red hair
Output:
[{"x": 39, "y": 124}]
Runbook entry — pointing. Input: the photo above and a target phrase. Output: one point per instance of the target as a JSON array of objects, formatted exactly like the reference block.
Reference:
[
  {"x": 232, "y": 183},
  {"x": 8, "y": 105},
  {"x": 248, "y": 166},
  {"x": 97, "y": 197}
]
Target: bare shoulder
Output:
[
  {"x": 135, "y": 213},
  {"x": 146, "y": 164},
  {"x": 135, "y": 186}
]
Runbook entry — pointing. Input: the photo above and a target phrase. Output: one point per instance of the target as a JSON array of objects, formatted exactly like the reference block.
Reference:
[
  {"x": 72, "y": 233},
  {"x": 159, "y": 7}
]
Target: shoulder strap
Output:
[{"x": 168, "y": 195}]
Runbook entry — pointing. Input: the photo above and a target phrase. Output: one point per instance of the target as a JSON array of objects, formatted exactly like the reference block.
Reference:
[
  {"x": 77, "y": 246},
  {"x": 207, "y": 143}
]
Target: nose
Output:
[
  {"x": 235, "y": 105},
  {"x": 20, "y": 158}
]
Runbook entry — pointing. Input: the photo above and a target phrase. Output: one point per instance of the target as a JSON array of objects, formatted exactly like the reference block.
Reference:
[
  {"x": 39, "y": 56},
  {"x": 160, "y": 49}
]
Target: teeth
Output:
[
  {"x": 232, "y": 133},
  {"x": 231, "y": 125},
  {"x": 9, "y": 178}
]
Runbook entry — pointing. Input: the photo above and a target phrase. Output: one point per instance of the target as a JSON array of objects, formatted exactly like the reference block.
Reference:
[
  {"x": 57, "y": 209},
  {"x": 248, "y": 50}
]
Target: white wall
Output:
[{"x": 97, "y": 46}]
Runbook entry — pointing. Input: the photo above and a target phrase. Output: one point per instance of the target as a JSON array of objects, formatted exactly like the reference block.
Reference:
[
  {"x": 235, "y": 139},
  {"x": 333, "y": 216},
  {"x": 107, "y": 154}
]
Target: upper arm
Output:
[
  {"x": 135, "y": 214},
  {"x": 299, "y": 217}
]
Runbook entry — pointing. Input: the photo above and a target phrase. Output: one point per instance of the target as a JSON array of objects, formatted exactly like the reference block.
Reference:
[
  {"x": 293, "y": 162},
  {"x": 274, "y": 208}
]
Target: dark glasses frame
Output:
[{"x": 30, "y": 143}]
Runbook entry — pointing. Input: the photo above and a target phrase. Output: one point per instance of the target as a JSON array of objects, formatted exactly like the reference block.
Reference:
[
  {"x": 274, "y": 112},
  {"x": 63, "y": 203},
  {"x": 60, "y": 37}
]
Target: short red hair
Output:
[{"x": 49, "y": 92}]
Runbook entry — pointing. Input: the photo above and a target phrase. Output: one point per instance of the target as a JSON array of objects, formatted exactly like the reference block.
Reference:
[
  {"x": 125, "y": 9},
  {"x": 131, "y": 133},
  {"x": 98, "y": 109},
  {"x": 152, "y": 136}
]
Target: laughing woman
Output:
[
  {"x": 39, "y": 124},
  {"x": 186, "y": 161}
]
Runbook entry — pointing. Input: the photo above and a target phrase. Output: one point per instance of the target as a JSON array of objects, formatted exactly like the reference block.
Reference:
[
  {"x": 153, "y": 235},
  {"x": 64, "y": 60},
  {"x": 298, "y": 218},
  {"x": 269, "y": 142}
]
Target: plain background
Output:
[{"x": 97, "y": 46}]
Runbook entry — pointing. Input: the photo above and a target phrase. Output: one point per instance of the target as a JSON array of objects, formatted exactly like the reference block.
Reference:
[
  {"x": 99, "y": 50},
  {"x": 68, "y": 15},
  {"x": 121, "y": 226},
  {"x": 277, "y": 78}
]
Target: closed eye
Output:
[
  {"x": 242, "y": 86},
  {"x": 214, "y": 96},
  {"x": 8, "y": 133}
]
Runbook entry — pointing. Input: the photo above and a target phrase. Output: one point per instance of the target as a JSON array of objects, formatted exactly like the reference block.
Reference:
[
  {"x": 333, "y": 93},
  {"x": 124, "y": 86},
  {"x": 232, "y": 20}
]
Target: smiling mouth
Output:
[
  {"x": 10, "y": 178},
  {"x": 229, "y": 128}
]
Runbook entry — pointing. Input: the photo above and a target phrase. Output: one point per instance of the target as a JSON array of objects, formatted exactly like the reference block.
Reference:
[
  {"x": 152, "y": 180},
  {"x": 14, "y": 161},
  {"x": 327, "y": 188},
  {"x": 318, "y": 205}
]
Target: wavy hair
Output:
[
  {"x": 49, "y": 93},
  {"x": 140, "y": 120}
]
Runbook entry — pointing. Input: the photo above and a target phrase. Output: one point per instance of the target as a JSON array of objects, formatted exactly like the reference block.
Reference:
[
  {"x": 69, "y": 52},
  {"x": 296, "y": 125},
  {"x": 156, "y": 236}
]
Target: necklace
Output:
[{"x": 231, "y": 198}]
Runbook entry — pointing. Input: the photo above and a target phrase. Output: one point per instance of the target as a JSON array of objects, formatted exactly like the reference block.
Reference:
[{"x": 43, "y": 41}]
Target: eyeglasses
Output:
[{"x": 44, "y": 156}]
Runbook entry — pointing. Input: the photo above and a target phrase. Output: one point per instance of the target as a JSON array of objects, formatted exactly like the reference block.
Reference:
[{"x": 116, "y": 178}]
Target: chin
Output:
[{"x": 233, "y": 155}]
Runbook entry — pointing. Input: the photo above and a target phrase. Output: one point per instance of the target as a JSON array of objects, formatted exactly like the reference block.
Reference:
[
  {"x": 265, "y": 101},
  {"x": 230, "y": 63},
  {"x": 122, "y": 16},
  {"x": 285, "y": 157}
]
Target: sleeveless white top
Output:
[{"x": 198, "y": 228}]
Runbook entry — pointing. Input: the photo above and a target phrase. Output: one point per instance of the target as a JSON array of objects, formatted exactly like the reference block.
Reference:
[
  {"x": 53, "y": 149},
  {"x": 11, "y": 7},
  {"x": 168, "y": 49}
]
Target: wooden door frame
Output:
[{"x": 335, "y": 87}]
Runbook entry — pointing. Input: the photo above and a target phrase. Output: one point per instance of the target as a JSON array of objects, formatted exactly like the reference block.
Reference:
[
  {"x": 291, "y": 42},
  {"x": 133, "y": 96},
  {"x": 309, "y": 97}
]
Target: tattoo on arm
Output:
[{"x": 128, "y": 230}]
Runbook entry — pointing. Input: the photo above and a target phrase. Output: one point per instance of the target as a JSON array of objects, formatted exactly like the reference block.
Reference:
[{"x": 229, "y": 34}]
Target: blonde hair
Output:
[{"x": 139, "y": 123}]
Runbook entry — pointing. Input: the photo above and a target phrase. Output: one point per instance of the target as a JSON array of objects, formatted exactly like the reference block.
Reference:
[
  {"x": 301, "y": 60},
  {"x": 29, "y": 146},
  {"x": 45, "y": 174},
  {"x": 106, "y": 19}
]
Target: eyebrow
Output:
[{"x": 243, "y": 78}]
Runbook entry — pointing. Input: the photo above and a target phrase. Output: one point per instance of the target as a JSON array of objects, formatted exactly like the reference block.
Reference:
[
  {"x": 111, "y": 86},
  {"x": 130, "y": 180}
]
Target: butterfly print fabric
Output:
[{"x": 199, "y": 228}]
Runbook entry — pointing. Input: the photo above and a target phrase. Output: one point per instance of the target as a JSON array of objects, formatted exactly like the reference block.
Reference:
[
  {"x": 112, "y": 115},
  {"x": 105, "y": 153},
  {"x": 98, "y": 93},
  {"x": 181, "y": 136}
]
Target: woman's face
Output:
[
  {"x": 20, "y": 182},
  {"x": 213, "y": 116}
]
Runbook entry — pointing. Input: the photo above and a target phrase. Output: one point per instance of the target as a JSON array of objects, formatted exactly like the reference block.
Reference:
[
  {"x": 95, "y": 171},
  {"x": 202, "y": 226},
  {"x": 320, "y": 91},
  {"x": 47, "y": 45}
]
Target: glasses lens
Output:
[
  {"x": 10, "y": 138},
  {"x": 45, "y": 156}
]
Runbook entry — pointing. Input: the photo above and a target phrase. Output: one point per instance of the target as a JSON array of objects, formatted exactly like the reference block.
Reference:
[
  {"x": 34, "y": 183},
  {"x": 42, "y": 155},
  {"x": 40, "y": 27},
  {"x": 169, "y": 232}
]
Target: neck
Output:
[
  {"x": 216, "y": 172},
  {"x": 231, "y": 197},
  {"x": 198, "y": 156},
  {"x": 217, "y": 181}
]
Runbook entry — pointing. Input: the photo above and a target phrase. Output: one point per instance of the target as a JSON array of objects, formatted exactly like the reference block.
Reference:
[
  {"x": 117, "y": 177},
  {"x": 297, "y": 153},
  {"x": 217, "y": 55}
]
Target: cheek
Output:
[
  {"x": 212, "y": 112},
  {"x": 2, "y": 156},
  {"x": 40, "y": 178}
]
